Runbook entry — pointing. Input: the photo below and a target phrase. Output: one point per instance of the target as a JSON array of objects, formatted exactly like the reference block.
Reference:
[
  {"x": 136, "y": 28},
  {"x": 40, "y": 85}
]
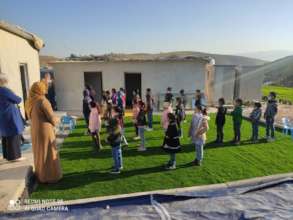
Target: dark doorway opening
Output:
[
  {"x": 94, "y": 79},
  {"x": 132, "y": 84},
  {"x": 24, "y": 80}
]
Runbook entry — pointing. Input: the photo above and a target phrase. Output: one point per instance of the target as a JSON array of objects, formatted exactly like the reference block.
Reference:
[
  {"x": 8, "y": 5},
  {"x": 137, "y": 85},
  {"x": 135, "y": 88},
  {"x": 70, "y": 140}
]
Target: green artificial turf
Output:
[
  {"x": 86, "y": 174},
  {"x": 285, "y": 93}
]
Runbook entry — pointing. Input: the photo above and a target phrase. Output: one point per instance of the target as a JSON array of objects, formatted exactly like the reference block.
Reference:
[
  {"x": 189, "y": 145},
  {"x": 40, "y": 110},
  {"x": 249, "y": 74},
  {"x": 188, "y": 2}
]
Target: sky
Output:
[{"x": 133, "y": 26}]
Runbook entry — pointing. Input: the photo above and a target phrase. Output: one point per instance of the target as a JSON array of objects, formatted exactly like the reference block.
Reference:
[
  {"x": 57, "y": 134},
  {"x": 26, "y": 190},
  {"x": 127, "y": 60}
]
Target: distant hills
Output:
[{"x": 270, "y": 55}]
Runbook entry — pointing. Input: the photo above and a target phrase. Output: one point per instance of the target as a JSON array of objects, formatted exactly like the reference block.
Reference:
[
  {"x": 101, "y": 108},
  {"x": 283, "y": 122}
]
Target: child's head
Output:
[
  {"x": 85, "y": 93},
  {"x": 141, "y": 104},
  {"x": 221, "y": 101},
  {"x": 148, "y": 90},
  {"x": 182, "y": 91},
  {"x": 113, "y": 91},
  {"x": 108, "y": 92},
  {"x": 166, "y": 105},
  {"x": 257, "y": 105},
  {"x": 200, "y": 109},
  {"x": 171, "y": 117},
  {"x": 238, "y": 102},
  {"x": 116, "y": 111},
  {"x": 93, "y": 104},
  {"x": 169, "y": 89},
  {"x": 272, "y": 96}
]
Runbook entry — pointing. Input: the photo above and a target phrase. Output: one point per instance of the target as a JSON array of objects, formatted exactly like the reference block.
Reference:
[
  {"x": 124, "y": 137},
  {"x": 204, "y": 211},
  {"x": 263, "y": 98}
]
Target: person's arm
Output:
[
  {"x": 12, "y": 97},
  {"x": 48, "y": 111},
  {"x": 204, "y": 127}
]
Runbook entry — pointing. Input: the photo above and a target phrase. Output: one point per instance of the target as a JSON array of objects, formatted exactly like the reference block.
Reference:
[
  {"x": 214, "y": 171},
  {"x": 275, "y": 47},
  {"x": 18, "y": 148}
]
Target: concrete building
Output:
[
  {"x": 158, "y": 73},
  {"x": 232, "y": 81},
  {"x": 71, "y": 76},
  {"x": 19, "y": 58}
]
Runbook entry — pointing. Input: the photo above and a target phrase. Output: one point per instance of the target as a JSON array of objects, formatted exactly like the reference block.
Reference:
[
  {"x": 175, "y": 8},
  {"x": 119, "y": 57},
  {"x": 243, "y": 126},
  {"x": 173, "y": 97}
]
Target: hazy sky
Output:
[{"x": 103, "y": 26}]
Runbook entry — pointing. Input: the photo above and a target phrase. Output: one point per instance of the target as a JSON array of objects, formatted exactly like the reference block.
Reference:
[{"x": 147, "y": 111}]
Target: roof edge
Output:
[{"x": 37, "y": 41}]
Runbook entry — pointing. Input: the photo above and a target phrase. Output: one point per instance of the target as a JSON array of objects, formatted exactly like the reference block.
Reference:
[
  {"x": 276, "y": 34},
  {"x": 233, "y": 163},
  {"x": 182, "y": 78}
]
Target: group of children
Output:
[
  {"x": 112, "y": 112},
  {"x": 255, "y": 116}
]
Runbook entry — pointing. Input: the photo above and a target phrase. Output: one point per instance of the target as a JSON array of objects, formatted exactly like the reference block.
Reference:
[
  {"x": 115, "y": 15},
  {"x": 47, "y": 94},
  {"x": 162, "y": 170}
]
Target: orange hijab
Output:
[{"x": 36, "y": 93}]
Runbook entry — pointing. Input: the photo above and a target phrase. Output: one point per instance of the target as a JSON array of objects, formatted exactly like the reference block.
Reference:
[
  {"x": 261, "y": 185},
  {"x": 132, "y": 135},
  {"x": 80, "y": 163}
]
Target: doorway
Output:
[
  {"x": 94, "y": 79},
  {"x": 24, "y": 80},
  {"x": 132, "y": 84}
]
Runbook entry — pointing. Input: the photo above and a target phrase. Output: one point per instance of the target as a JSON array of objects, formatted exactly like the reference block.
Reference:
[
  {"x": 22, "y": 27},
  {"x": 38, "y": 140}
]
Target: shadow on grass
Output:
[
  {"x": 231, "y": 144},
  {"x": 78, "y": 179},
  {"x": 106, "y": 152}
]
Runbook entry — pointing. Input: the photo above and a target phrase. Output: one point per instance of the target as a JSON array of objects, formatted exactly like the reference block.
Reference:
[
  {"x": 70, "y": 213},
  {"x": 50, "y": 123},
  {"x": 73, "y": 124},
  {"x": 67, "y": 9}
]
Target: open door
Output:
[
  {"x": 94, "y": 79},
  {"x": 24, "y": 81},
  {"x": 132, "y": 84}
]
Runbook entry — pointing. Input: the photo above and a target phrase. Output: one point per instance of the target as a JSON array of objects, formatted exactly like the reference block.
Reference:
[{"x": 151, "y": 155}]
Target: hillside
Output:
[{"x": 280, "y": 72}]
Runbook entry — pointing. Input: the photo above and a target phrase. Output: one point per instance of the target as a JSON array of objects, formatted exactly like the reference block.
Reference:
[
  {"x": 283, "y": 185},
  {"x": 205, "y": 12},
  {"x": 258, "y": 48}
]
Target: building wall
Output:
[
  {"x": 69, "y": 78},
  {"x": 14, "y": 51},
  {"x": 250, "y": 83},
  {"x": 224, "y": 82}
]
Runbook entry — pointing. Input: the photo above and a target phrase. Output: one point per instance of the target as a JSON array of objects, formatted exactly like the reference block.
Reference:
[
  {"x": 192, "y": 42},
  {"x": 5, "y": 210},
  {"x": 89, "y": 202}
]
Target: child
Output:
[
  {"x": 135, "y": 111},
  {"x": 197, "y": 131},
  {"x": 108, "y": 108},
  {"x": 149, "y": 107},
  {"x": 269, "y": 115},
  {"x": 179, "y": 115},
  {"x": 95, "y": 125},
  {"x": 255, "y": 118},
  {"x": 184, "y": 102},
  {"x": 237, "y": 120},
  {"x": 171, "y": 142},
  {"x": 220, "y": 120},
  {"x": 169, "y": 96},
  {"x": 114, "y": 140},
  {"x": 164, "y": 118},
  {"x": 141, "y": 123},
  {"x": 117, "y": 113},
  {"x": 86, "y": 107}
]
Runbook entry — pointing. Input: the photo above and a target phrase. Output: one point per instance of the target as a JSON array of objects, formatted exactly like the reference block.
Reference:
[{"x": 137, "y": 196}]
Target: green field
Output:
[
  {"x": 86, "y": 174},
  {"x": 284, "y": 93}
]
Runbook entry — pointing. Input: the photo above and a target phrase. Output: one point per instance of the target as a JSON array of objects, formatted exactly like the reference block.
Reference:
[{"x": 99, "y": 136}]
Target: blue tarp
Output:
[{"x": 272, "y": 200}]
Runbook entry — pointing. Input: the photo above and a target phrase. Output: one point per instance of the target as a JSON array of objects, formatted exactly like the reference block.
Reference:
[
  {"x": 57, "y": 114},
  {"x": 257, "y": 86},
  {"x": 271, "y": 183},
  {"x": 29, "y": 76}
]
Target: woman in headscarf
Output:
[
  {"x": 11, "y": 124},
  {"x": 46, "y": 157}
]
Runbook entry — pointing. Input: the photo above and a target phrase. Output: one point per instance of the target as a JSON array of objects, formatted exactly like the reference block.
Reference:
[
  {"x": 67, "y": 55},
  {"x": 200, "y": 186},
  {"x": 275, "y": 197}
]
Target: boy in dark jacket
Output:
[
  {"x": 141, "y": 123},
  {"x": 269, "y": 115},
  {"x": 220, "y": 120},
  {"x": 255, "y": 118},
  {"x": 171, "y": 142},
  {"x": 179, "y": 115},
  {"x": 237, "y": 120},
  {"x": 114, "y": 139}
]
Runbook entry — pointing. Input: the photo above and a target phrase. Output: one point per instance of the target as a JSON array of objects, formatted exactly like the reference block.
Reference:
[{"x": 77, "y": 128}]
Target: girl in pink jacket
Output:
[
  {"x": 164, "y": 119},
  {"x": 95, "y": 125}
]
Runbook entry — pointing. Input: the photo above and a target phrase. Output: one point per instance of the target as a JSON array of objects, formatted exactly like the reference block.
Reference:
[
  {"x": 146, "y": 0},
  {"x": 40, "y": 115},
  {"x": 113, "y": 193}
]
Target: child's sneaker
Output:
[
  {"x": 136, "y": 138},
  {"x": 141, "y": 148},
  {"x": 197, "y": 162},
  {"x": 172, "y": 167},
  {"x": 149, "y": 129},
  {"x": 115, "y": 171}
]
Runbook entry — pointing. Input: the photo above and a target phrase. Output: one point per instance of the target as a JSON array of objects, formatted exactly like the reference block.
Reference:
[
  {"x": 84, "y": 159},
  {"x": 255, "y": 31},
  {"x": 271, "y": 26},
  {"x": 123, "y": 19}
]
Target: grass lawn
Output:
[
  {"x": 86, "y": 173},
  {"x": 285, "y": 93}
]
